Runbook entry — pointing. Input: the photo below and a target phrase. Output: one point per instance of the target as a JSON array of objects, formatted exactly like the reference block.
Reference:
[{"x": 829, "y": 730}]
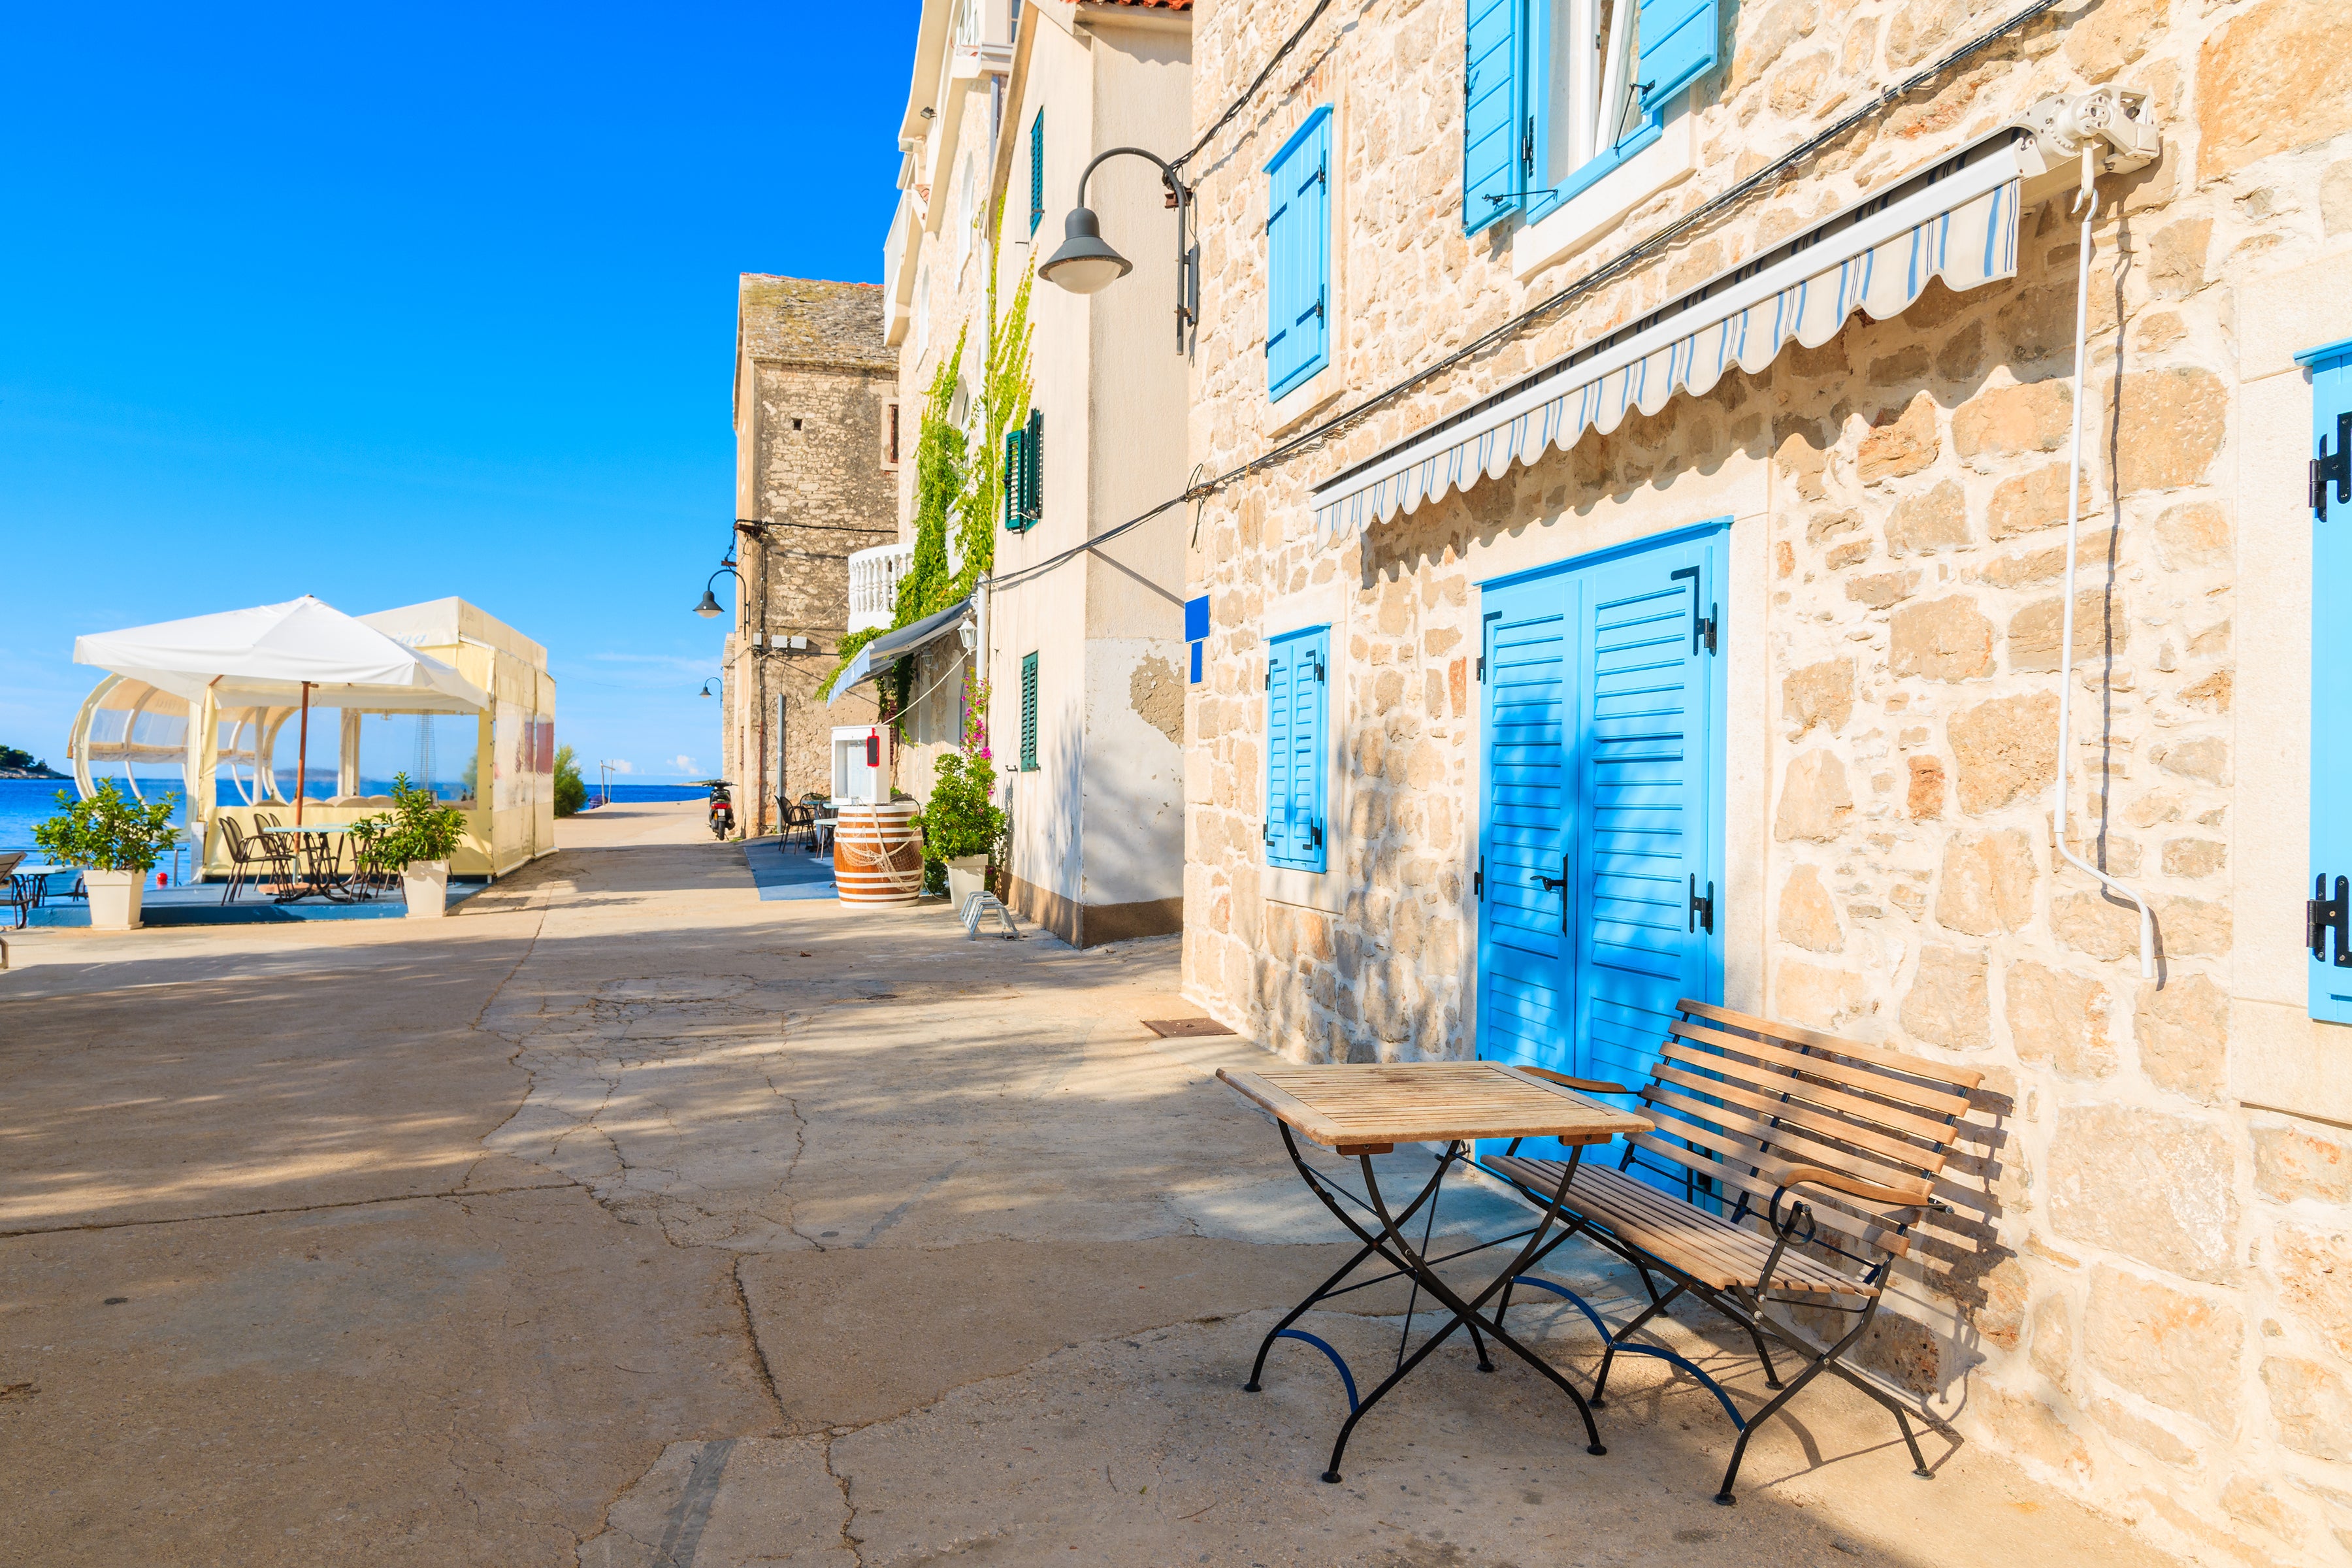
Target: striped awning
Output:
[{"x": 1957, "y": 221}]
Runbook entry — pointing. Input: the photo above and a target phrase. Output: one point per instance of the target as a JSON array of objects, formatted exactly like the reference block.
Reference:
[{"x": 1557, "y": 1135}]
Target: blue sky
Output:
[{"x": 386, "y": 304}]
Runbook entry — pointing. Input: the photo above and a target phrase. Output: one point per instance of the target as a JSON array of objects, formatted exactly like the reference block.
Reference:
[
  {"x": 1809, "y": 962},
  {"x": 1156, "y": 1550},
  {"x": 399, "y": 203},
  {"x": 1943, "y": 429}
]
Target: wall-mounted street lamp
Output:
[
  {"x": 1087, "y": 263},
  {"x": 707, "y": 685},
  {"x": 711, "y": 606}
]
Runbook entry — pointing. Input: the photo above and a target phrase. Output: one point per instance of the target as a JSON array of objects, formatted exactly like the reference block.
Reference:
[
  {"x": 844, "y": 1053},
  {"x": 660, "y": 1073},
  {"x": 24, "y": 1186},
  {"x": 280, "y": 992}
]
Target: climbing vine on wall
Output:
[{"x": 958, "y": 477}]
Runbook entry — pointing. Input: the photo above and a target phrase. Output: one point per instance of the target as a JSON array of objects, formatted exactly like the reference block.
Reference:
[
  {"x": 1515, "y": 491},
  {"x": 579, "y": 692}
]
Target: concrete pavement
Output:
[{"x": 624, "y": 1219}]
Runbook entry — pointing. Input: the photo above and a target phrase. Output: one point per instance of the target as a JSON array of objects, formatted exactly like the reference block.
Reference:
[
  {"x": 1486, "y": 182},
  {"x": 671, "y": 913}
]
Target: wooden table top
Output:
[{"x": 1371, "y": 1107}]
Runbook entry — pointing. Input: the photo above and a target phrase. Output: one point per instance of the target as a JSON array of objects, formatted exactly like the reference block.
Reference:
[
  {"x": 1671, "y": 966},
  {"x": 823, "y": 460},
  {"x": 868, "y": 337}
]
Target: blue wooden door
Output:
[
  {"x": 2331, "y": 654},
  {"x": 1601, "y": 832}
]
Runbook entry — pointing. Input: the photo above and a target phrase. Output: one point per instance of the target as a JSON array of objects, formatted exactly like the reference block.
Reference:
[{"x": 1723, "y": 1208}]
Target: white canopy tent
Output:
[
  {"x": 296, "y": 654},
  {"x": 198, "y": 706}
]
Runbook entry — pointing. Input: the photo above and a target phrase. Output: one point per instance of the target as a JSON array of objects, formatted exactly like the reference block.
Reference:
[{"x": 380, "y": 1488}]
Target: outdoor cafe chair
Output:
[{"x": 248, "y": 857}]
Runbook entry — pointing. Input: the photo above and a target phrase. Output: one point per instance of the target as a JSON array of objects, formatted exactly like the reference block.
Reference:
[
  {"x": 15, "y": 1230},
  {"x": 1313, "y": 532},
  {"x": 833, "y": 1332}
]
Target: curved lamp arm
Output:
[{"x": 1083, "y": 232}]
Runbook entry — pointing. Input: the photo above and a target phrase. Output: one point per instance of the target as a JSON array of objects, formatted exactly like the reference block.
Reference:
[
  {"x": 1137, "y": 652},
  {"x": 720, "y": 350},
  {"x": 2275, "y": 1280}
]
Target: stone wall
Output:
[
  {"x": 2151, "y": 1314},
  {"x": 813, "y": 396}
]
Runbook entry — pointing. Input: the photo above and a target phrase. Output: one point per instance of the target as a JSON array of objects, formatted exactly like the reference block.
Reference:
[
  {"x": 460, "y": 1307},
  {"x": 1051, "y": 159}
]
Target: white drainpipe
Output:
[{"x": 2086, "y": 199}]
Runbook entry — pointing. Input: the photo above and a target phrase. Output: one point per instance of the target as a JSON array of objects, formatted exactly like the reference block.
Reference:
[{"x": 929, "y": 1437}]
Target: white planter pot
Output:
[
  {"x": 114, "y": 899},
  {"x": 967, "y": 875},
  {"x": 425, "y": 884}
]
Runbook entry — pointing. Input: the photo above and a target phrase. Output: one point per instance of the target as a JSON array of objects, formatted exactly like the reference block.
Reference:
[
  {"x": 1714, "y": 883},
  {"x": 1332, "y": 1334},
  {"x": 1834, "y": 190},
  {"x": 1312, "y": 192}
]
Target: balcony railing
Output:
[{"x": 874, "y": 584}]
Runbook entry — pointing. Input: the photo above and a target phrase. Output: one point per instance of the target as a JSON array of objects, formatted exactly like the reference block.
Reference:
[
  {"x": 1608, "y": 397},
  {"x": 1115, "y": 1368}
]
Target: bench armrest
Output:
[
  {"x": 1581, "y": 1085},
  {"x": 1852, "y": 1186}
]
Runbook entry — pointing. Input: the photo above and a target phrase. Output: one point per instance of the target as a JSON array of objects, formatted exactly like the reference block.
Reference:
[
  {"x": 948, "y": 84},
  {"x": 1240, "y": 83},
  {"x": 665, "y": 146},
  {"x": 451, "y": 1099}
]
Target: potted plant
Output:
[
  {"x": 960, "y": 827},
  {"x": 419, "y": 835},
  {"x": 113, "y": 843}
]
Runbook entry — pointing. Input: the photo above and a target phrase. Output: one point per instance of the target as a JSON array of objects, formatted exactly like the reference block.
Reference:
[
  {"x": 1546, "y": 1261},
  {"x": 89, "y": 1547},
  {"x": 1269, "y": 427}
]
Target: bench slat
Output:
[
  {"x": 1774, "y": 1080},
  {"x": 1896, "y": 1061},
  {"x": 1864, "y": 1227},
  {"x": 1790, "y": 1113},
  {"x": 1792, "y": 1139}
]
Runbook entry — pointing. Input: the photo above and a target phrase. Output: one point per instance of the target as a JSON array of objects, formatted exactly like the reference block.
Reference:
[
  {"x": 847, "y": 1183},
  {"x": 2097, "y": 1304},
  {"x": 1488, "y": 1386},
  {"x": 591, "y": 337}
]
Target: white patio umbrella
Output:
[{"x": 271, "y": 654}]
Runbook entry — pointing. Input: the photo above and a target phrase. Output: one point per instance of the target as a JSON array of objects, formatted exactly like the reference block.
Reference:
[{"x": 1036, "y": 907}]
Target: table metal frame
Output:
[
  {"x": 312, "y": 843},
  {"x": 1406, "y": 1261}
]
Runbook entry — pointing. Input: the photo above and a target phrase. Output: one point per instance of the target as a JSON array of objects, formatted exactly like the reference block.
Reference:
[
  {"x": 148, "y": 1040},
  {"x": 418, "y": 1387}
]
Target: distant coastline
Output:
[{"x": 33, "y": 773}]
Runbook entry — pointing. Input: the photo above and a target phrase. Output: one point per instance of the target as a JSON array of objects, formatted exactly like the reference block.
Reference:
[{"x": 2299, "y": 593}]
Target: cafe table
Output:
[
  {"x": 1362, "y": 1109},
  {"x": 322, "y": 858}
]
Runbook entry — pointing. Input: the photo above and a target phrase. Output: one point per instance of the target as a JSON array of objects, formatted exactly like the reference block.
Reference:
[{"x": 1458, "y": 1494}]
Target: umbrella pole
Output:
[{"x": 302, "y": 756}]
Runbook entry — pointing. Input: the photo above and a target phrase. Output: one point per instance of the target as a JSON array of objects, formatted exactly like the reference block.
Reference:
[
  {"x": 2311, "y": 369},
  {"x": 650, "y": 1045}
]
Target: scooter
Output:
[{"x": 722, "y": 809}]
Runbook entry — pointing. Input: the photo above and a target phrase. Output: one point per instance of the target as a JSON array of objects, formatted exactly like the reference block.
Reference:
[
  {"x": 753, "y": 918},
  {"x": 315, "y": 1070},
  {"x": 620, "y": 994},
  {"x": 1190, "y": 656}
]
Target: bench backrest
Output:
[
  {"x": 1741, "y": 1100},
  {"x": 10, "y": 861}
]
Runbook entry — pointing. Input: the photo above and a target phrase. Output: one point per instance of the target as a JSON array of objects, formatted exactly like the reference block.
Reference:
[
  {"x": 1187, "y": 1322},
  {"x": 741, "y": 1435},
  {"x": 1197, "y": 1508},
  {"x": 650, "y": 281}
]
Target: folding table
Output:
[{"x": 1367, "y": 1110}]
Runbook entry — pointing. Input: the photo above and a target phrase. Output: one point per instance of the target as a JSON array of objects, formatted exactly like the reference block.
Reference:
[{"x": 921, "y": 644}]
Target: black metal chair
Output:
[{"x": 247, "y": 856}]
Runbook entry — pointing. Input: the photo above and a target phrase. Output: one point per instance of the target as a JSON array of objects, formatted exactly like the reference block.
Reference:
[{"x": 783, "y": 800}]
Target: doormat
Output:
[{"x": 1185, "y": 1028}]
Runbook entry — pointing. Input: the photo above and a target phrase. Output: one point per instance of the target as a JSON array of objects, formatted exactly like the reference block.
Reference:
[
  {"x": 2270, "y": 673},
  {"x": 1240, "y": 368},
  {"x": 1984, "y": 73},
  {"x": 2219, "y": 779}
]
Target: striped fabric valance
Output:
[{"x": 1958, "y": 222}]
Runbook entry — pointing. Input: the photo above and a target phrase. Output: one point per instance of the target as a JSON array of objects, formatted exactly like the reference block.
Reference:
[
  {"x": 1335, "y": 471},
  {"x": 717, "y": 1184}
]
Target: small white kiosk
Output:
[{"x": 861, "y": 765}]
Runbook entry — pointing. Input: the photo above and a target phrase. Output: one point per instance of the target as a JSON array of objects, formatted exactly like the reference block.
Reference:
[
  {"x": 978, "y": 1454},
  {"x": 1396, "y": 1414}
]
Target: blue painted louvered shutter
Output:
[
  {"x": 2331, "y": 655},
  {"x": 1297, "y": 255},
  {"x": 1527, "y": 828},
  {"x": 1494, "y": 111},
  {"x": 1298, "y": 671},
  {"x": 1037, "y": 171},
  {"x": 1646, "y": 803},
  {"x": 1278, "y": 706},
  {"x": 1677, "y": 40}
]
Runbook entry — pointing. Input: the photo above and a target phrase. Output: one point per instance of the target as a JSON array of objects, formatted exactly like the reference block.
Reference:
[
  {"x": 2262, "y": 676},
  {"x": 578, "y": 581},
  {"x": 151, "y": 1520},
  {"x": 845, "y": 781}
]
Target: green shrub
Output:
[
  {"x": 959, "y": 820},
  {"x": 107, "y": 833},
  {"x": 418, "y": 827},
  {"x": 571, "y": 789}
]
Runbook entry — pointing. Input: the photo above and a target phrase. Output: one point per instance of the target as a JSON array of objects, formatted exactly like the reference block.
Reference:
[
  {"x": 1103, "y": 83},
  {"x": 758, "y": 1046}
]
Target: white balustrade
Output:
[{"x": 874, "y": 584}]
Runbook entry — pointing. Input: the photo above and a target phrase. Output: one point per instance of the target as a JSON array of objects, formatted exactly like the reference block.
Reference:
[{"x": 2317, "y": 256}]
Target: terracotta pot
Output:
[
  {"x": 425, "y": 884},
  {"x": 114, "y": 899}
]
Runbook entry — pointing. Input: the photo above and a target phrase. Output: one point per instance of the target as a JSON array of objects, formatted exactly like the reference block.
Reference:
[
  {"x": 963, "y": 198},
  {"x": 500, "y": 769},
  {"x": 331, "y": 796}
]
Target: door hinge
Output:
[
  {"x": 1315, "y": 834},
  {"x": 1319, "y": 671},
  {"x": 1702, "y": 907},
  {"x": 1269, "y": 675},
  {"x": 1268, "y": 834},
  {"x": 2336, "y": 465},
  {"x": 1478, "y": 879},
  {"x": 1481, "y": 670},
  {"x": 2324, "y": 914},
  {"x": 1702, "y": 626},
  {"x": 1528, "y": 152},
  {"x": 1707, "y": 627}
]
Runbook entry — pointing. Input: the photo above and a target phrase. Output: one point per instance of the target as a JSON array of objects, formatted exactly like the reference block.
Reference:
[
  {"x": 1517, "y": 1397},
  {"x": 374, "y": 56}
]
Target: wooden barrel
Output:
[{"x": 877, "y": 855}]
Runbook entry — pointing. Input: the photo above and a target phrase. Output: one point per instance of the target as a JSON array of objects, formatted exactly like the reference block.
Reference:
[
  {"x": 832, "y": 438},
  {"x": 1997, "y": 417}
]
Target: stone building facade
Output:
[
  {"x": 2145, "y": 1301},
  {"x": 815, "y": 479}
]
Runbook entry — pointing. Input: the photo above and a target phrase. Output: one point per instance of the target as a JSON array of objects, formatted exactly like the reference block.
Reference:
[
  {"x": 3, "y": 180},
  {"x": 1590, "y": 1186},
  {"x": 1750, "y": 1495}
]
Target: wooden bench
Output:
[{"x": 1784, "y": 1167}]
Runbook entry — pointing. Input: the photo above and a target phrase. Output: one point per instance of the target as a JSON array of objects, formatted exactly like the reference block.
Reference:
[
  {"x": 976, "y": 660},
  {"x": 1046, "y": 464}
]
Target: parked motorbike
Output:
[{"x": 722, "y": 809}]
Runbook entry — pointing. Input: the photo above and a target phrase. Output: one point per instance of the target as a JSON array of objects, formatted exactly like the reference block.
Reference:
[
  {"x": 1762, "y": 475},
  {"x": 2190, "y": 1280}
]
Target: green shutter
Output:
[
  {"x": 1033, "y": 470},
  {"x": 1029, "y": 713},
  {"x": 1037, "y": 171},
  {"x": 1014, "y": 466}
]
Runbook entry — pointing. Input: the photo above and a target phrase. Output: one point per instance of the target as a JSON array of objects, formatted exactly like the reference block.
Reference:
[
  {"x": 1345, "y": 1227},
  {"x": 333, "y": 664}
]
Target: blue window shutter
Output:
[
  {"x": 1278, "y": 708},
  {"x": 1677, "y": 40},
  {"x": 1309, "y": 687},
  {"x": 2331, "y": 653},
  {"x": 1296, "y": 706},
  {"x": 1037, "y": 171},
  {"x": 1298, "y": 255},
  {"x": 1493, "y": 111}
]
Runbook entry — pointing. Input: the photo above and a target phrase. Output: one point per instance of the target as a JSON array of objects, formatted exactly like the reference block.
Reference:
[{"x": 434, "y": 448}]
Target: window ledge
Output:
[
  {"x": 1599, "y": 209},
  {"x": 1308, "y": 889},
  {"x": 1305, "y": 400}
]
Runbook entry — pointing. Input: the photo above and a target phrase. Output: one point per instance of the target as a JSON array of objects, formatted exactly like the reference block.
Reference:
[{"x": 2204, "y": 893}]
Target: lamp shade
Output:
[
  {"x": 709, "y": 606},
  {"x": 1085, "y": 263}
]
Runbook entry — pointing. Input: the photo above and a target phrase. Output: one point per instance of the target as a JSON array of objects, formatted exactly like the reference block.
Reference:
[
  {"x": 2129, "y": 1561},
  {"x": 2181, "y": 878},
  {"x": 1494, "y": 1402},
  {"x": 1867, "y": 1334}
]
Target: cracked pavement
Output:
[{"x": 624, "y": 1220}]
